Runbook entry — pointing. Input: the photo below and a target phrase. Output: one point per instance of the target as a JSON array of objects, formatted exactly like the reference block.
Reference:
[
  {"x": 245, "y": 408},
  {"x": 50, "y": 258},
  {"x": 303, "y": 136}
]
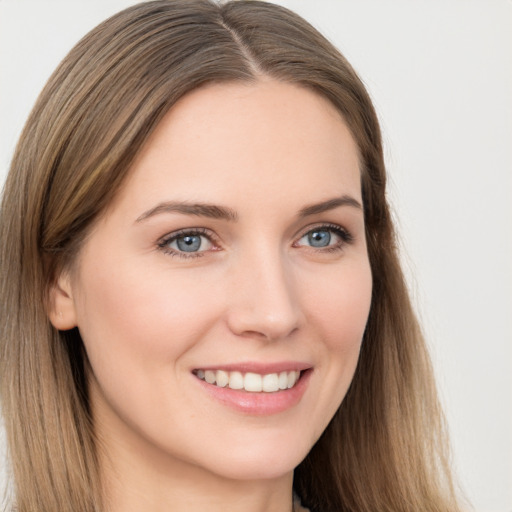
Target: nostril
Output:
[
  {"x": 263, "y": 301},
  {"x": 254, "y": 323}
]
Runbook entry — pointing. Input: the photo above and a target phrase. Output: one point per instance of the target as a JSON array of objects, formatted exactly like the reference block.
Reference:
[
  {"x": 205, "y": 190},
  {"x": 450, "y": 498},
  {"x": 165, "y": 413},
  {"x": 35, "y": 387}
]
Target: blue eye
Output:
[
  {"x": 189, "y": 243},
  {"x": 186, "y": 243},
  {"x": 319, "y": 238},
  {"x": 325, "y": 237}
]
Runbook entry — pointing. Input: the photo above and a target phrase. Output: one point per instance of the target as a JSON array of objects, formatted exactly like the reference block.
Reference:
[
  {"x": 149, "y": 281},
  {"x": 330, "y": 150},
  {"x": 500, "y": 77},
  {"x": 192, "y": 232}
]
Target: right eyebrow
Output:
[
  {"x": 330, "y": 204},
  {"x": 198, "y": 209}
]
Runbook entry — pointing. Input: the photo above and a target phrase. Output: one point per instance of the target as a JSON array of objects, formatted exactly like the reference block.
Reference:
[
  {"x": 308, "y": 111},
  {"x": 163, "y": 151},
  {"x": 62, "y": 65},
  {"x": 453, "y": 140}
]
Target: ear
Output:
[{"x": 61, "y": 309}]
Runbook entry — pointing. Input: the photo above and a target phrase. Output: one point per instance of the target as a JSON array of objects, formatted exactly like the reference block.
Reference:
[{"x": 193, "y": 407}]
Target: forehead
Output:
[{"x": 254, "y": 140}]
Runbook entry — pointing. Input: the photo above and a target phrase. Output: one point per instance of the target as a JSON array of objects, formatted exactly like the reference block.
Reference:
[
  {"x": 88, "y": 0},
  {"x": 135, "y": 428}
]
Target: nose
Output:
[{"x": 263, "y": 302}]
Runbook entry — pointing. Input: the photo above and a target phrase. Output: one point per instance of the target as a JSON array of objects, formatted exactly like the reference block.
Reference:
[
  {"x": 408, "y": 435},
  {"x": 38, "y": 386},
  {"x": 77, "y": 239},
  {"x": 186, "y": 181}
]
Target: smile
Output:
[{"x": 251, "y": 382}]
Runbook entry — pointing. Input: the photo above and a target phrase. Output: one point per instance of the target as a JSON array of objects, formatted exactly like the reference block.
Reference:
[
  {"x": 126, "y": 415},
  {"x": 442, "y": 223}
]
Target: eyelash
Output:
[{"x": 163, "y": 244}]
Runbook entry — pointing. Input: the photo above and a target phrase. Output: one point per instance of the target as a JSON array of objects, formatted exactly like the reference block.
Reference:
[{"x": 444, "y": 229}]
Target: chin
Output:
[{"x": 261, "y": 461}]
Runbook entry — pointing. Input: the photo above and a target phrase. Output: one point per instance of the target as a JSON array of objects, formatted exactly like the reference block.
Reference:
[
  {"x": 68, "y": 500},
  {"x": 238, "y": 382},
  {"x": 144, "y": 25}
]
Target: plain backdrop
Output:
[{"x": 440, "y": 74}]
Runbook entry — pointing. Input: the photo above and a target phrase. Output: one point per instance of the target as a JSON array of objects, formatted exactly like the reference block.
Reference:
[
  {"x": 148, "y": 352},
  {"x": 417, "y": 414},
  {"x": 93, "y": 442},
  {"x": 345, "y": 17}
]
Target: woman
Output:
[{"x": 202, "y": 300}]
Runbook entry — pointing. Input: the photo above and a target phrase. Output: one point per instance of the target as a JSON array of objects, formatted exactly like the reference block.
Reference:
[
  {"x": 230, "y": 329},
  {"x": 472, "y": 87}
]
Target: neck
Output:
[
  {"x": 193, "y": 490},
  {"x": 139, "y": 478}
]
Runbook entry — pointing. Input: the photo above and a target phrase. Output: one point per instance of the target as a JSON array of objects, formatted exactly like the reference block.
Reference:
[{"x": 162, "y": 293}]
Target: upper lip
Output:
[{"x": 259, "y": 367}]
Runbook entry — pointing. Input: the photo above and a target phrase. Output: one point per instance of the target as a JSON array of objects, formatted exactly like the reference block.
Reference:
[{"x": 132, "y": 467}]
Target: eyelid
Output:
[{"x": 328, "y": 226}]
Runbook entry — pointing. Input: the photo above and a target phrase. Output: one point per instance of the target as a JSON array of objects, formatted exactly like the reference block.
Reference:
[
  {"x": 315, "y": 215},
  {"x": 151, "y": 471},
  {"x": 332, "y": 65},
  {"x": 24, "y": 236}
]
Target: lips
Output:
[{"x": 256, "y": 389}]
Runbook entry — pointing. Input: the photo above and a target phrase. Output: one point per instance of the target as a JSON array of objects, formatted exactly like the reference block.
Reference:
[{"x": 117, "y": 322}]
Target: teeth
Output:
[
  {"x": 270, "y": 382},
  {"x": 222, "y": 378},
  {"x": 252, "y": 382},
  {"x": 292, "y": 378},
  {"x": 283, "y": 380},
  {"x": 236, "y": 380}
]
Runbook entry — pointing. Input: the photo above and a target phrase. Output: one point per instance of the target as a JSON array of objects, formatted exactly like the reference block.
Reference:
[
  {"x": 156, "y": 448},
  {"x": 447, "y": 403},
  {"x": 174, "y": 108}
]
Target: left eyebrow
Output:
[
  {"x": 199, "y": 209},
  {"x": 330, "y": 204}
]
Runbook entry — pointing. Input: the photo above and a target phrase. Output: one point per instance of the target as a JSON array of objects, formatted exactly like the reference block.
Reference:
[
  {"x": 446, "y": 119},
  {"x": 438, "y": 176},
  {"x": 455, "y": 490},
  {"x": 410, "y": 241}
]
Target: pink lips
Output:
[{"x": 259, "y": 403}]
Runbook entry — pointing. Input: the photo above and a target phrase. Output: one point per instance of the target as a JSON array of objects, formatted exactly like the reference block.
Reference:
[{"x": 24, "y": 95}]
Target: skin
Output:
[{"x": 257, "y": 292}]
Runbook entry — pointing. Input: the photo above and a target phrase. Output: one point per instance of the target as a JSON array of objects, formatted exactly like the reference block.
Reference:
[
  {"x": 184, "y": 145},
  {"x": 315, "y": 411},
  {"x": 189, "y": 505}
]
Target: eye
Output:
[
  {"x": 187, "y": 243},
  {"x": 330, "y": 237},
  {"x": 319, "y": 238}
]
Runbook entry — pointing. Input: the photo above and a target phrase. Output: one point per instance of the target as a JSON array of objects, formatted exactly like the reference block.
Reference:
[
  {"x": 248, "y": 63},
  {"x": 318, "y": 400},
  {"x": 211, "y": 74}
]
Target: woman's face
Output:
[{"x": 232, "y": 261}]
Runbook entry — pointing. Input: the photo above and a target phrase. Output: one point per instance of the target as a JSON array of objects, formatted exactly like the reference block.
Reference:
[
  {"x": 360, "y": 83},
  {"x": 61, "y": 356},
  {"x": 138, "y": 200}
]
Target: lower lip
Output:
[{"x": 259, "y": 404}]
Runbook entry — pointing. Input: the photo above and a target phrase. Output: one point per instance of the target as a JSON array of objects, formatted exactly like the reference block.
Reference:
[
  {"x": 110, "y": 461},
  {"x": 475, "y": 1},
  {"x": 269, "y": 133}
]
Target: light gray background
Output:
[{"x": 440, "y": 74}]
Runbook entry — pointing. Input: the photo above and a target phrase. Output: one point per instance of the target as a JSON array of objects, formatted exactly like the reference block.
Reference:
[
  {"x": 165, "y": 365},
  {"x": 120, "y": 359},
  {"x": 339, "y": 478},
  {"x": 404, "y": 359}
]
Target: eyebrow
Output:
[
  {"x": 224, "y": 213},
  {"x": 199, "y": 209},
  {"x": 330, "y": 204}
]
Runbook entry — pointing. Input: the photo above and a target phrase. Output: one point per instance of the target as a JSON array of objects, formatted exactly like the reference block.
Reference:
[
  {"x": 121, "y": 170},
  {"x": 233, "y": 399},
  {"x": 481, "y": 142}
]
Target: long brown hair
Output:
[{"x": 385, "y": 449}]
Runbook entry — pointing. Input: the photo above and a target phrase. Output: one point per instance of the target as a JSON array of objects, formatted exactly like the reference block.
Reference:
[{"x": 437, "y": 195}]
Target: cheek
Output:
[
  {"x": 339, "y": 311},
  {"x": 341, "y": 307},
  {"x": 143, "y": 315},
  {"x": 138, "y": 324}
]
